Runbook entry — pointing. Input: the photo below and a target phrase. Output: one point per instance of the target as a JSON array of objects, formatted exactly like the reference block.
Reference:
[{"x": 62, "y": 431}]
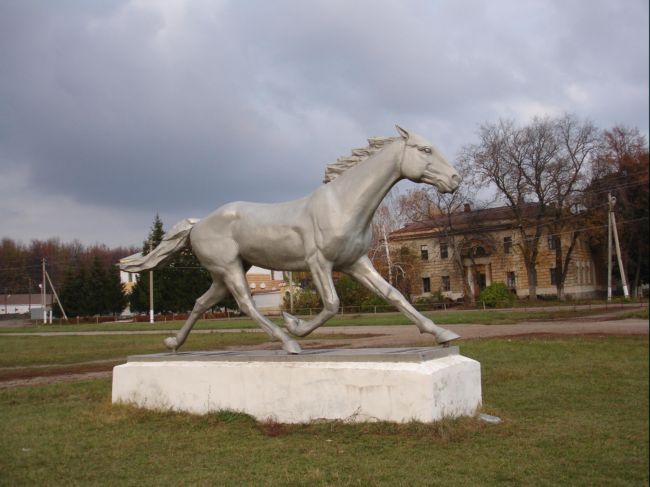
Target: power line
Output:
[{"x": 587, "y": 228}]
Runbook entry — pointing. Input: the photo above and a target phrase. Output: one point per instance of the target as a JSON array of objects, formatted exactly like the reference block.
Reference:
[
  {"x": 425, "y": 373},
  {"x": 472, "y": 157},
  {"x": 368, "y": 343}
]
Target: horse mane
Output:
[{"x": 342, "y": 164}]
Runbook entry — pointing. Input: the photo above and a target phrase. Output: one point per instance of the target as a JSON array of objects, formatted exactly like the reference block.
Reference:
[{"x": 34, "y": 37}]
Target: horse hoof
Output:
[
  {"x": 292, "y": 347},
  {"x": 291, "y": 323},
  {"x": 171, "y": 343},
  {"x": 446, "y": 336}
]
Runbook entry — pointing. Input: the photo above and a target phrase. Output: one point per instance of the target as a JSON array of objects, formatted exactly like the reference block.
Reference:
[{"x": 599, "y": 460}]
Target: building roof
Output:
[
  {"x": 482, "y": 219},
  {"x": 24, "y": 299}
]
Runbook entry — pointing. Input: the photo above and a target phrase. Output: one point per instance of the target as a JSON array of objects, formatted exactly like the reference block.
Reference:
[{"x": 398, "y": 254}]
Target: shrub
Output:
[
  {"x": 434, "y": 298},
  {"x": 496, "y": 295}
]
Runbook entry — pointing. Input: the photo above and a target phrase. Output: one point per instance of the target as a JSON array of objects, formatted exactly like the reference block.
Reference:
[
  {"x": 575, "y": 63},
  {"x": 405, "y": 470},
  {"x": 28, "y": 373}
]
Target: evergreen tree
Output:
[
  {"x": 139, "y": 296},
  {"x": 70, "y": 293},
  {"x": 115, "y": 296},
  {"x": 175, "y": 287},
  {"x": 96, "y": 289},
  {"x": 75, "y": 293}
]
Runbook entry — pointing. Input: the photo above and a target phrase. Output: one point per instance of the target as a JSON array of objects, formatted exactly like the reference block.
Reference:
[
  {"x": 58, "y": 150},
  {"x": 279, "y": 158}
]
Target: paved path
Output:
[
  {"x": 410, "y": 335},
  {"x": 384, "y": 336}
]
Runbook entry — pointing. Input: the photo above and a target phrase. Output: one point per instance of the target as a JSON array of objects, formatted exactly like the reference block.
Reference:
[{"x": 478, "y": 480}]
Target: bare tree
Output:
[
  {"x": 457, "y": 233},
  {"x": 387, "y": 219},
  {"x": 538, "y": 170}
]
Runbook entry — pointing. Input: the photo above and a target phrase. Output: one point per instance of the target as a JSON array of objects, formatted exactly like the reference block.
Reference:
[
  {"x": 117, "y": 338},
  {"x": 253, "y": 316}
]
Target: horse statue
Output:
[{"x": 326, "y": 230}]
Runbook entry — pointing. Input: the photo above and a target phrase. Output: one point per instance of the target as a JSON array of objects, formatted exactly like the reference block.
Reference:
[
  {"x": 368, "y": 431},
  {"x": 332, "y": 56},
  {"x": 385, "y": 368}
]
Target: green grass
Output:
[
  {"x": 486, "y": 317},
  {"x": 640, "y": 314},
  {"x": 575, "y": 412},
  {"x": 29, "y": 351},
  {"x": 35, "y": 350}
]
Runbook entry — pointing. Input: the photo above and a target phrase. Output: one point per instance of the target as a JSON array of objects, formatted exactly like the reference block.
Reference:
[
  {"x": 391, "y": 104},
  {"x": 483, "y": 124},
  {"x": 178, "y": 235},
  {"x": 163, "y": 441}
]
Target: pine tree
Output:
[
  {"x": 115, "y": 296},
  {"x": 70, "y": 293},
  {"x": 177, "y": 286},
  {"x": 139, "y": 296},
  {"x": 96, "y": 288}
]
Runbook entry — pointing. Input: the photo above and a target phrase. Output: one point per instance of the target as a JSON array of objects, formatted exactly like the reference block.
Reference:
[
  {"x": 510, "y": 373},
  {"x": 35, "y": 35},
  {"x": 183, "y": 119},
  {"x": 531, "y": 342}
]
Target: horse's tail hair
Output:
[{"x": 174, "y": 241}]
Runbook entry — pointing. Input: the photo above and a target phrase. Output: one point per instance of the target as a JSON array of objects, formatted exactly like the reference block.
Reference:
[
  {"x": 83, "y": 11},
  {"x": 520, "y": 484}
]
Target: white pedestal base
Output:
[{"x": 397, "y": 385}]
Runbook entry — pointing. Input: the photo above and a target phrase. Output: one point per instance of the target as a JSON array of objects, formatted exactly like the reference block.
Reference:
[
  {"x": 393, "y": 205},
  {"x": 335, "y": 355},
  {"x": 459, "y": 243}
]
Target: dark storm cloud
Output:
[{"x": 182, "y": 106}]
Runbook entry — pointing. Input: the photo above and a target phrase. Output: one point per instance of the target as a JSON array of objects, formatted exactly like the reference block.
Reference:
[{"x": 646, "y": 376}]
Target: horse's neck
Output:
[{"x": 360, "y": 190}]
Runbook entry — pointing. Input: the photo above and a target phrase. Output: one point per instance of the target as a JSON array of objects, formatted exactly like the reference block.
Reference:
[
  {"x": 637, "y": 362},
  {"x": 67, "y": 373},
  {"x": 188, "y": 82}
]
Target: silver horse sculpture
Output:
[{"x": 327, "y": 230}]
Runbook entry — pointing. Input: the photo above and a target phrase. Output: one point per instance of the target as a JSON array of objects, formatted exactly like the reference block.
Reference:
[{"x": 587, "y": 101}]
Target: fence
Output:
[{"x": 349, "y": 310}]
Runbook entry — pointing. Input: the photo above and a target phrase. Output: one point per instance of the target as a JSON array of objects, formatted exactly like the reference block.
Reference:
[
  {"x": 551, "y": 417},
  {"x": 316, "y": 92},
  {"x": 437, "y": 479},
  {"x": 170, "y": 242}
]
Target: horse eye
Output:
[{"x": 426, "y": 149}]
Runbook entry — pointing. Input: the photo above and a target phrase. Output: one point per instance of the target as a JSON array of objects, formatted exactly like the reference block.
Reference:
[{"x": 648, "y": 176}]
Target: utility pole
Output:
[
  {"x": 609, "y": 247},
  {"x": 151, "y": 297},
  {"x": 290, "y": 277},
  {"x": 56, "y": 296},
  {"x": 44, "y": 294},
  {"x": 612, "y": 225}
]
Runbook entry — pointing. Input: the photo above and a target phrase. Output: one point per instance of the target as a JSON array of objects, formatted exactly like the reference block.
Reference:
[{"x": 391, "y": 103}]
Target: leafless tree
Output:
[
  {"x": 539, "y": 171},
  {"x": 458, "y": 234}
]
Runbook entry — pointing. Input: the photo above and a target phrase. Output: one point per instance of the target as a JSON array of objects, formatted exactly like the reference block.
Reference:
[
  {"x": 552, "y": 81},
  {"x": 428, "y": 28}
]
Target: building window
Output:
[
  {"x": 552, "y": 242},
  {"x": 426, "y": 284},
  {"x": 445, "y": 284},
  {"x": 507, "y": 245},
  {"x": 511, "y": 280},
  {"x": 479, "y": 251},
  {"x": 579, "y": 278},
  {"x": 424, "y": 252},
  {"x": 444, "y": 250},
  {"x": 553, "y": 272}
]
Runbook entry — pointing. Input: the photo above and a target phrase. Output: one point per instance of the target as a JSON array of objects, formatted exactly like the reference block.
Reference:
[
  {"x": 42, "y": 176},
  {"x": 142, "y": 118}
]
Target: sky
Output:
[{"x": 113, "y": 111}]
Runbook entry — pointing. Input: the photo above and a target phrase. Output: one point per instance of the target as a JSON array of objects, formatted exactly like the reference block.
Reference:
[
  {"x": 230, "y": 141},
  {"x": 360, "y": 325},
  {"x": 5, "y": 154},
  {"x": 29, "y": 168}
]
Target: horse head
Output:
[{"x": 421, "y": 162}]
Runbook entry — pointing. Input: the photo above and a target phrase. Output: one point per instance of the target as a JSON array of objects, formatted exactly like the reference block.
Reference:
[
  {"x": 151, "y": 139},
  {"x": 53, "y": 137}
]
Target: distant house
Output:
[
  {"x": 267, "y": 288},
  {"x": 128, "y": 280},
  {"x": 18, "y": 304},
  {"x": 488, "y": 243}
]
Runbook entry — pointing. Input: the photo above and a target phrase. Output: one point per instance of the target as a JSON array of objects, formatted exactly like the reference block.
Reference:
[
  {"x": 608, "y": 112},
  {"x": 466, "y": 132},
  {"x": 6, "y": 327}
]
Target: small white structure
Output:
[
  {"x": 266, "y": 287},
  {"x": 18, "y": 304},
  {"x": 398, "y": 385}
]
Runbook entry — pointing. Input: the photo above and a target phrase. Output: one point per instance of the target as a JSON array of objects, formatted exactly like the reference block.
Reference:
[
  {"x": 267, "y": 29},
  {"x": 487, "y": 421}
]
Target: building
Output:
[
  {"x": 18, "y": 304},
  {"x": 267, "y": 288},
  {"x": 475, "y": 248}
]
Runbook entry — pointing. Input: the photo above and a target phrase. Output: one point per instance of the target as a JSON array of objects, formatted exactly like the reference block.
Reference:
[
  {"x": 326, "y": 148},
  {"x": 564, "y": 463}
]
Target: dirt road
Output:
[{"x": 369, "y": 337}]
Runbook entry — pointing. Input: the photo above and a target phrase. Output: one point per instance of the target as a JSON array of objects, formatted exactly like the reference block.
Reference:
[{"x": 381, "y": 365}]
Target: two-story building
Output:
[{"x": 469, "y": 250}]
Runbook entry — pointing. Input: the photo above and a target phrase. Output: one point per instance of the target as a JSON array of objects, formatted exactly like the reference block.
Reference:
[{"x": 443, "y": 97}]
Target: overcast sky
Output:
[{"x": 112, "y": 111}]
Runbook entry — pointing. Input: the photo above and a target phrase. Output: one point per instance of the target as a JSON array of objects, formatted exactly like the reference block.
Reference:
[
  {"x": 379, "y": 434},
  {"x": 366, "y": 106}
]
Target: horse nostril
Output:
[{"x": 456, "y": 179}]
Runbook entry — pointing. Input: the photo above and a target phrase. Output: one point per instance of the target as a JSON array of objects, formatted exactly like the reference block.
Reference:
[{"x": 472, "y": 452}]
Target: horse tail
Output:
[{"x": 173, "y": 242}]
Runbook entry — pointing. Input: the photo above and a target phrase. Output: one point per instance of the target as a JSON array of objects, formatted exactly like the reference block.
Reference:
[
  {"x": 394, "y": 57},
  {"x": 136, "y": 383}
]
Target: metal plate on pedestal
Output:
[{"x": 414, "y": 354}]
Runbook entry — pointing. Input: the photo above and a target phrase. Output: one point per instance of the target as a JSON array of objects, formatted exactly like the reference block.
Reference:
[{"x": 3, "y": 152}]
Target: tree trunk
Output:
[
  {"x": 637, "y": 278},
  {"x": 560, "y": 274},
  {"x": 531, "y": 270},
  {"x": 560, "y": 292}
]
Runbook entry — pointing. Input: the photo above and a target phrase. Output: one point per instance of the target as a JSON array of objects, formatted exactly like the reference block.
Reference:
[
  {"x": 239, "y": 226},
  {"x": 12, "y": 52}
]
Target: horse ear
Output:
[{"x": 403, "y": 132}]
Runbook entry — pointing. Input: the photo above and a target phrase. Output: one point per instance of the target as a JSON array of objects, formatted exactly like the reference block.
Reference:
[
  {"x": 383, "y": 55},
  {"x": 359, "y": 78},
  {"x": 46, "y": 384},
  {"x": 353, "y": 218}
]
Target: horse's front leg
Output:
[
  {"x": 235, "y": 280},
  {"x": 363, "y": 271},
  {"x": 322, "y": 273}
]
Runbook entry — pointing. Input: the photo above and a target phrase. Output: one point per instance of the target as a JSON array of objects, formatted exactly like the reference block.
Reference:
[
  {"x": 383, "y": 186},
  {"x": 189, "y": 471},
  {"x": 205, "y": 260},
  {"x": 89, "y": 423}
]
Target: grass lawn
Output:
[
  {"x": 35, "y": 350},
  {"x": 575, "y": 412},
  {"x": 486, "y": 317}
]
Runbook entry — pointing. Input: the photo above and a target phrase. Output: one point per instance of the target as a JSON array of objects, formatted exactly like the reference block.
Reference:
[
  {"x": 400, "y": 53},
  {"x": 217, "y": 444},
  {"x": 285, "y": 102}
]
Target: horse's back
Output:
[{"x": 266, "y": 234}]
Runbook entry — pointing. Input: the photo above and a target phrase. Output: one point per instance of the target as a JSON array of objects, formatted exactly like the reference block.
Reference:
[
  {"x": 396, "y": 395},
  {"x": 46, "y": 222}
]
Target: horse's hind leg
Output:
[
  {"x": 236, "y": 281},
  {"x": 363, "y": 271},
  {"x": 216, "y": 293},
  {"x": 321, "y": 271}
]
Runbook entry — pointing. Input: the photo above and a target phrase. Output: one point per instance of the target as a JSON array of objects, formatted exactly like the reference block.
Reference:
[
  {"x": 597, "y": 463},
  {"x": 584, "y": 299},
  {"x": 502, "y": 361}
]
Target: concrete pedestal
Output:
[{"x": 388, "y": 384}]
